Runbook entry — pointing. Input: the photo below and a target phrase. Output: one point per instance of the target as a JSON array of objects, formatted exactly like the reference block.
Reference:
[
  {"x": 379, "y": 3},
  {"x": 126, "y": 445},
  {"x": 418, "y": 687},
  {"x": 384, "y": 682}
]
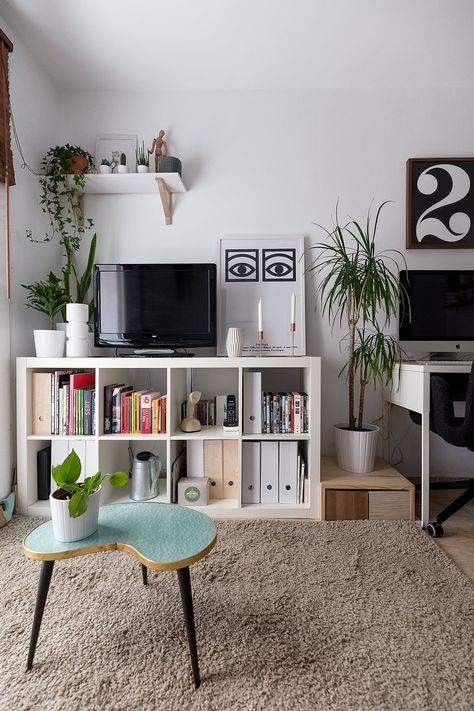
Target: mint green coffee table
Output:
[{"x": 161, "y": 536}]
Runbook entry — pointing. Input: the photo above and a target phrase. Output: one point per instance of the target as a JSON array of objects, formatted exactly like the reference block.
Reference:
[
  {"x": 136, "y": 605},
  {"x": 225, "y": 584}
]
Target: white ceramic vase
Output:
[
  {"x": 233, "y": 342},
  {"x": 105, "y": 169},
  {"x": 49, "y": 343},
  {"x": 356, "y": 451},
  {"x": 142, "y": 169},
  {"x": 77, "y": 330},
  {"x": 122, "y": 168},
  {"x": 67, "y": 529}
]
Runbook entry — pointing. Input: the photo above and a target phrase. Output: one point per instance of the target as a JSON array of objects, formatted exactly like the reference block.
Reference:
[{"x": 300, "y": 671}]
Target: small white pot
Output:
[
  {"x": 356, "y": 451},
  {"x": 233, "y": 342},
  {"x": 122, "y": 168},
  {"x": 142, "y": 169},
  {"x": 67, "y": 529},
  {"x": 49, "y": 344},
  {"x": 61, "y": 326},
  {"x": 105, "y": 169},
  {"x": 79, "y": 313}
]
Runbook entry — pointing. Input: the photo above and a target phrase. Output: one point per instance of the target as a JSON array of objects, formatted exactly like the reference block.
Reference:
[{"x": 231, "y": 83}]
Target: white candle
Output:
[
  {"x": 293, "y": 308},
  {"x": 260, "y": 319}
]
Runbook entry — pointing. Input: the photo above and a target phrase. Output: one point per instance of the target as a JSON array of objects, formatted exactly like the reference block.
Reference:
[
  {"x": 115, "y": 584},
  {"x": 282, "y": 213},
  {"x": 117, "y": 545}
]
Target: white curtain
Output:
[{"x": 5, "y": 369}]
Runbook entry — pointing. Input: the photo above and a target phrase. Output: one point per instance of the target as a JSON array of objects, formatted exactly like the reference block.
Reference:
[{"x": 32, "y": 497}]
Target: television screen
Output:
[
  {"x": 442, "y": 308},
  {"x": 155, "y": 305}
]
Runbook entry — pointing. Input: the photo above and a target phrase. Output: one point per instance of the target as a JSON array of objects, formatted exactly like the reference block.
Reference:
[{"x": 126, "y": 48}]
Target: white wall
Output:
[
  {"x": 35, "y": 106},
  {"x": 272, "y": 163}
]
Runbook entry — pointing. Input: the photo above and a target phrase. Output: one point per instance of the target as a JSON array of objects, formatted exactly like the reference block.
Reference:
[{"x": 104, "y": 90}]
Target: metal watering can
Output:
[{"x": 145, "y": 469}]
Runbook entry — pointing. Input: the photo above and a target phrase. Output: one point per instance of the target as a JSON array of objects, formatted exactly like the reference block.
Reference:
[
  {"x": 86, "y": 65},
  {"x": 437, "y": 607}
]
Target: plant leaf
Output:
[
  {"x": 78, "y": 504},
  {"x": 69, "y": 471},
  {"x": 119, "y": 479}
]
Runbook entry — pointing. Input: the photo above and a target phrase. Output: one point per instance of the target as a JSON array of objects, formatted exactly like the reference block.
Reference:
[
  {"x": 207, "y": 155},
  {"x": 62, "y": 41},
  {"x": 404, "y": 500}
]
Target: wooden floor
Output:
[{"x": 458, "y": 539}]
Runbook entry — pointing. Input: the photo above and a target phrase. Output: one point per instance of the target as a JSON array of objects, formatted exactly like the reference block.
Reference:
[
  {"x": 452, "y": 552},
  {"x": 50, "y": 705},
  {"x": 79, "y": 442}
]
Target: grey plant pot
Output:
[{"x": 170, "y": 164}]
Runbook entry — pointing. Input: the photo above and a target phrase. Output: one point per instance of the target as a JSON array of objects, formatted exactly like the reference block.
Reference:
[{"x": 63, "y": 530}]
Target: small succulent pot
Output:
[
  {"x": 67, "y": 529},
  {"x": 122, "y": 169},
  {"x": 49, "y": 343},
  {"x": 105, "y": 169},
  {"x": 143, "y": 169}
]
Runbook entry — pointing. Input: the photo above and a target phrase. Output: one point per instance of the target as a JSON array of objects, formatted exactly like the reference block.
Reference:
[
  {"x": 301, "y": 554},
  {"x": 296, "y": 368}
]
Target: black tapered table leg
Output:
[
  {"x": 43, "y": 587},
  {"x": 187, "y": 601},
  {"x": 144, "y": 574}
]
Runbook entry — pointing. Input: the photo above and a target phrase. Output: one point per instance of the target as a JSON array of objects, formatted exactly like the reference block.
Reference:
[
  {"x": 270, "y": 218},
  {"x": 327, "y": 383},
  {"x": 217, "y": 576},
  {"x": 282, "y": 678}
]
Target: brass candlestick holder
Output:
[
  {"x": 293, "y": 331},
  {"x": 260, "y": 343}
]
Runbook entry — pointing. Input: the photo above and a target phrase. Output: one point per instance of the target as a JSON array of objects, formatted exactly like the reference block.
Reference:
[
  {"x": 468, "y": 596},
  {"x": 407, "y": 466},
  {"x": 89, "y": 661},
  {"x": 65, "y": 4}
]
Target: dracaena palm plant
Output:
[{"x": 360, "y": 286}]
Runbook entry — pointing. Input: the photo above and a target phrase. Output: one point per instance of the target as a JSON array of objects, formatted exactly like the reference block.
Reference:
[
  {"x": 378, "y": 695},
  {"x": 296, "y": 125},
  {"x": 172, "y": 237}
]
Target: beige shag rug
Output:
[{"x": 290, "y": 615}]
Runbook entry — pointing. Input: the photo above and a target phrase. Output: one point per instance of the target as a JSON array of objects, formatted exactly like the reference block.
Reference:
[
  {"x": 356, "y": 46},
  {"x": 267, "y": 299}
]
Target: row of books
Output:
[
  {"x": 285, "y": 413},
  {"x": 129, "y": 411},
  {"x": 64, "y": 403},
  {"x": 204, "y": 411}
]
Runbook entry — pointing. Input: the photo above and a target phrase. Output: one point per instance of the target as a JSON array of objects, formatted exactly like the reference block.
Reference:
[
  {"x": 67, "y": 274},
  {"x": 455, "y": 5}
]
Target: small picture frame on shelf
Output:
[
  {"x": 440, "y": 198},
  {"x": 111, "y": 146}
]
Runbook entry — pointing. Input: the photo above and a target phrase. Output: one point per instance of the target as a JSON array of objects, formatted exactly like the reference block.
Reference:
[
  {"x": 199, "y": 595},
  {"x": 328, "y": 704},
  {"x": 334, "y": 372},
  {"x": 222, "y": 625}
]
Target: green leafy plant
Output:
[
  {"x": 360, "y": 286},
  {"x": 104, "y": 161},
  {"x": 66, "y": 475},
  {"x": 143, "y": 157},
  {"x": 48, "y": 297},
  {"x": 123, "y": 159},
  {"x": 62, "y": 185}
]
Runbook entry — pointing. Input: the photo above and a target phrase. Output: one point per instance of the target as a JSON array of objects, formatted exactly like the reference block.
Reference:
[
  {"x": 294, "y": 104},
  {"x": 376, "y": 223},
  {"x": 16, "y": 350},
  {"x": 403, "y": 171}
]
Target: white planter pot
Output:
[
  {"x": 142, "y": 169},
  {"x": 105, "y": 169},
  {"x": 67, "y": 529},
  {"x": 122, "y": 168},
  {"x": 356, "y": 451},
  {"x": 49, "y": 344},
  {"x": 233, "y": 342},
  {"x": 61, "y": 326}
]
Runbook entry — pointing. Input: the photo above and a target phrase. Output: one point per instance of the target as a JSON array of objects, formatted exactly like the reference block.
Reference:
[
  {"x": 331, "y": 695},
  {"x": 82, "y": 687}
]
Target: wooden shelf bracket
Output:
[{"x": 165, "y": 195}]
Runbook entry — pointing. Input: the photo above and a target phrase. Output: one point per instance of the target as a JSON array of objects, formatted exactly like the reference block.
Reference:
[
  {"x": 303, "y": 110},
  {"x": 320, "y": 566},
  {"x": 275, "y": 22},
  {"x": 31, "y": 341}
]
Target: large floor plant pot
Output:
[
  {"x": 49, "y": 343},
  {"x": 67, "y": 529},
  {"x": 356, "y": 451}
]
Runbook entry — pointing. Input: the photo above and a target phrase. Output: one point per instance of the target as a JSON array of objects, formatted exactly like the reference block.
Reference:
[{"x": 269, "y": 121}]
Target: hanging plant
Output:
[{"x": 62, "y": 185}]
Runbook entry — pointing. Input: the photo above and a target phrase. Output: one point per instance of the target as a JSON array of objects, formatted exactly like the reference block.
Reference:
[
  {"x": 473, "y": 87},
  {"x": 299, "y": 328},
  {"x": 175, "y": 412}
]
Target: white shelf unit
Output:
[
  {"x": 137, "y": 183},
  {"x": 174, "y": 376}
]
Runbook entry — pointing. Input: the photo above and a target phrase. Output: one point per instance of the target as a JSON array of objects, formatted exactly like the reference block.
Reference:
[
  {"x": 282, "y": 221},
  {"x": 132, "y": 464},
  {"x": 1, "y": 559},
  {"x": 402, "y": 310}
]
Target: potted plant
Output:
[
  {"x": 360, "y": 287},
  {"x": 48, "y": 297},
  {"x": 143, "y": 159},
  {"x": 122, "y": 166},
  {"x": 105, "y": 166},
  {"x": 61, "y": 200},
  {"x": 75, "y": 505}
]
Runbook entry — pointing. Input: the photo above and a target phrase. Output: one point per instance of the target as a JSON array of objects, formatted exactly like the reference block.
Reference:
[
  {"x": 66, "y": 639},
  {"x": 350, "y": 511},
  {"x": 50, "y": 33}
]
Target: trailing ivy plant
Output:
[
  {"x": 47, "y": 297},
  {"x": 62, "y": 187},
  {"x": 66, "y": 475},
  {"x": 361, "y": 287}
]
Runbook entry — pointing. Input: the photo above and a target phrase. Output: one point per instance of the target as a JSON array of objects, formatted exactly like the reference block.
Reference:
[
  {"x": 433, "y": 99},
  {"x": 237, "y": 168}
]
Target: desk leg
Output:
[
  {"x": 144, "y": 574},
  {"x": 425, "y": 468},
  {"x": 184, "y": 579},
  {"x": 42, "y": 594}
]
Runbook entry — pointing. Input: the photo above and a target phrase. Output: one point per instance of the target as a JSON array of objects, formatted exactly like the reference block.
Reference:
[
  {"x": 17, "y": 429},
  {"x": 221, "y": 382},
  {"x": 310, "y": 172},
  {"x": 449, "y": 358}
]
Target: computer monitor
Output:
[{"x": 442, "y": 311}]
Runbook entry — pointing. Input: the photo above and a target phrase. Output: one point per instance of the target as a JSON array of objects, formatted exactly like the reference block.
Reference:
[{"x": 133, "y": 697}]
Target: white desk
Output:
[{"x": 411, "y": 390}]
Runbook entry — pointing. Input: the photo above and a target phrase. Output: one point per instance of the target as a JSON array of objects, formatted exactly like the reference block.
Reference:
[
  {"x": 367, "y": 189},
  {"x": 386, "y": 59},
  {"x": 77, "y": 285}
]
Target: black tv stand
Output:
[{"x": 155, "y": 353}]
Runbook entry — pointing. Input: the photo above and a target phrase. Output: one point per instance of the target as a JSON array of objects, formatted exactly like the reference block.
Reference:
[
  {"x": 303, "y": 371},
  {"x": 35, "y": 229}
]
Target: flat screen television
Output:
[
  {"x": 442, "y": 311},
  {"x": 155, "y": 306}
]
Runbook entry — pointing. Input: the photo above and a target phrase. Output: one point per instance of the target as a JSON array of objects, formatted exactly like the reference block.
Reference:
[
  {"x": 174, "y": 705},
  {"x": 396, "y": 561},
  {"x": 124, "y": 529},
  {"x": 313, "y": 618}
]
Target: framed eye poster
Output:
[
  {"x": 270, "y": 270},
  {"x": 440, "y": 203}
]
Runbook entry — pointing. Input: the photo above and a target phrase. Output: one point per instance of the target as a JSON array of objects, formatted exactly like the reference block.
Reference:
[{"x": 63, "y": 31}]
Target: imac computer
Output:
[{"x": 442, "y": 311}]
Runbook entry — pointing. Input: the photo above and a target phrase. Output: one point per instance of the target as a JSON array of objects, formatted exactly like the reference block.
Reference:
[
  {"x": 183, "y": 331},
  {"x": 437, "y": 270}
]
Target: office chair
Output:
[{"x": 458, "y": 431}]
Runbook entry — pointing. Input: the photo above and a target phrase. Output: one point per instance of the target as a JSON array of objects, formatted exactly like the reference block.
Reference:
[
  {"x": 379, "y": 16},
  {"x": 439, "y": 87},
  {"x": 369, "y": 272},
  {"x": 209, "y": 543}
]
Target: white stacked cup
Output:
[{"x": 77, "y": 330}]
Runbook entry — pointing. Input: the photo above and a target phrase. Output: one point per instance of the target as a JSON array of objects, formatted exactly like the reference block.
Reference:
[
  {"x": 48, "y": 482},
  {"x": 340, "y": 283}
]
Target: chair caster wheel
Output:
[{"x": 435, "y": 529}]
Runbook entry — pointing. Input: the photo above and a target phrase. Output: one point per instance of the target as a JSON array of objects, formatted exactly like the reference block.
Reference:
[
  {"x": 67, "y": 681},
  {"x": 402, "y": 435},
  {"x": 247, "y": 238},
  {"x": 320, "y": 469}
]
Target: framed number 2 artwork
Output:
[{"x": 440, "y": 203}]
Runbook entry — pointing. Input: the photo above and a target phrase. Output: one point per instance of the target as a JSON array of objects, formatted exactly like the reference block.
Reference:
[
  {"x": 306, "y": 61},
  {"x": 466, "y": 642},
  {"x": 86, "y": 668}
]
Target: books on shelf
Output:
[
  {"x": 204, "y": 411},
  {"x": 285, "y": 413},
  {"x": 129, "y": 411},
  {"x": 64, "y": 403}
]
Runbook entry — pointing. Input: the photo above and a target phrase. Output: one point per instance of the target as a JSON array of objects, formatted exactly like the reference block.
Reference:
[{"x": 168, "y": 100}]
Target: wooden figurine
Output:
[
  {"x": 160, "y": 148},
  {"x": 190, "y": 423}
]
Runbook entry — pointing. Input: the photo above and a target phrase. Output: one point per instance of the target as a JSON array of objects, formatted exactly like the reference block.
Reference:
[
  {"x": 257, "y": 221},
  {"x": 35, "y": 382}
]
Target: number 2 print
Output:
[{"x": 440, "y": 203}]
